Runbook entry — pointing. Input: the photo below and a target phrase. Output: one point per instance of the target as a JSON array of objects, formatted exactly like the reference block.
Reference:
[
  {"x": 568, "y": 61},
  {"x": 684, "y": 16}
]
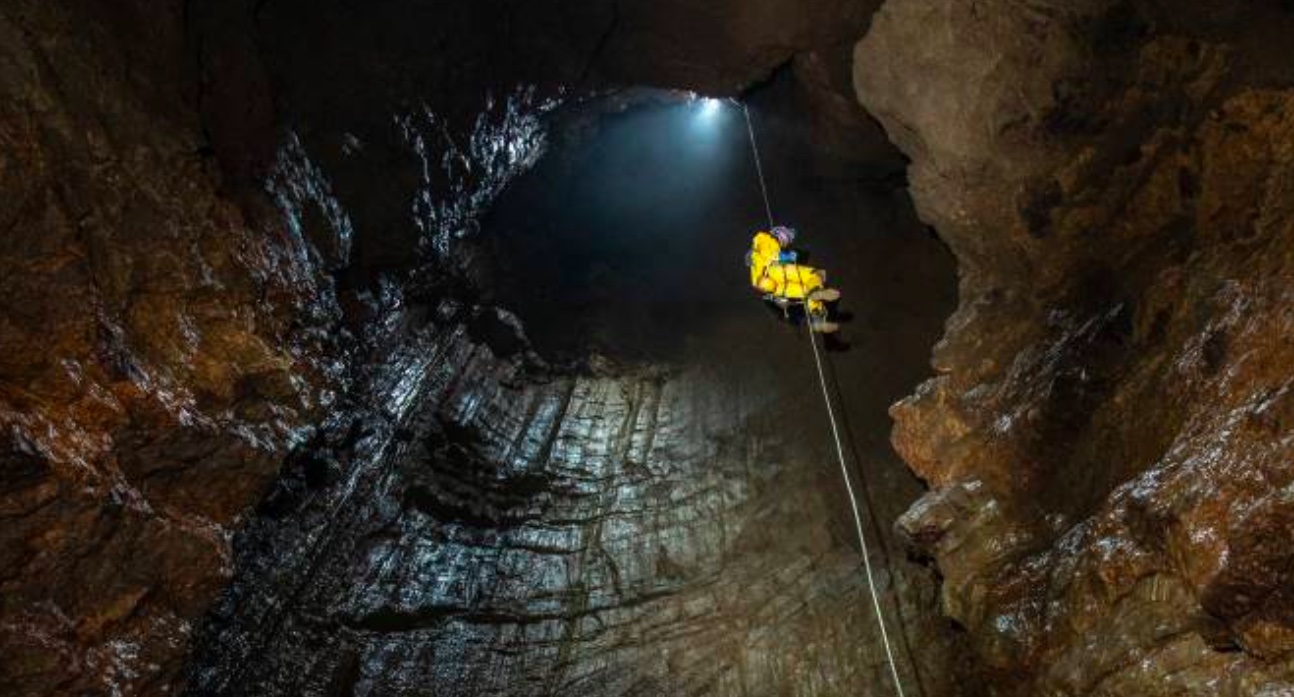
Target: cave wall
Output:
[
  {"x": 204, "y": 286},
  {"x": 160, "y": 350},
  {"x": 627, "y": 529},
  {"x": 195, "y": 297},
  {"x": 631, "y": 530},
  {"x": 1107, "y": 443},
  {"x": 185, "y": 303}
]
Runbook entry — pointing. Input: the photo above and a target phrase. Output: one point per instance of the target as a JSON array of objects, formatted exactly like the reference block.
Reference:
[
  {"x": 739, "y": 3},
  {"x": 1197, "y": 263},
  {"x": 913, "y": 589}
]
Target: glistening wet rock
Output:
[
  {"x": 507, "y": 531},
  {"x": 1108, "y": 463},
  {"x": 160, "y": 354},
  {"x": 169, "y": 337}
]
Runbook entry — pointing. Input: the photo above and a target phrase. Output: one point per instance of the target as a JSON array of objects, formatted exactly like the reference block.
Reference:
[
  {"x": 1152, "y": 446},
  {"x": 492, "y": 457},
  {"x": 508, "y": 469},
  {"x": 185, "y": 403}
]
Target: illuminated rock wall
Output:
[{"x": 1108, "y": 441}]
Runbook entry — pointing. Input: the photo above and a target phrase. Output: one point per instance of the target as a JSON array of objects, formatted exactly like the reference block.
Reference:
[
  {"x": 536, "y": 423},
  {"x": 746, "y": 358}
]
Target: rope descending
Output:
[
  {"x": 759, "y": 168},
  {"x": 835, "y": 434}
]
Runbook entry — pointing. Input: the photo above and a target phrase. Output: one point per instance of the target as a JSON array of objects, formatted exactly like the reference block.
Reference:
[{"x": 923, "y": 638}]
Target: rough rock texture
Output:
[
  {"x": 209, "y": 229},
  {"x": 1109, "y": 441},
  {"x": 720, "y": 47},
  {"x": 629, "y": 531},
  {"x": 160, "y": 353},
  {"x": 396, "y": 49},
  {"x": 166, "y": 344},
  {"x": 487, "y": 524}
]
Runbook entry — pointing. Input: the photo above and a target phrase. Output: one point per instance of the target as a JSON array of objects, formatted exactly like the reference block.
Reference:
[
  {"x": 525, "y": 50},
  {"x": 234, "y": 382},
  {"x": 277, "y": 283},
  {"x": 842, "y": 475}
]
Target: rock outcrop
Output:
[
  {"x": 196, "y": 317},
  {"x": 235, "y": 300},
  {"x": 172, "y": 326},
  {"x": 161, "y": 352},
  {"x": 1108, "y": 444}
]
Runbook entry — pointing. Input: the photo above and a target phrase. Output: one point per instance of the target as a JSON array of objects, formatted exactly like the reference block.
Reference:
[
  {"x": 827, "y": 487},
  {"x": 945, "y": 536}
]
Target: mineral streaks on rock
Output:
[
  {"x": 1109, "y": 460},
  {"x": 145, "y": 398},
  {"x": 616, "y": 533},
  {"x": 164, "y": 347}
]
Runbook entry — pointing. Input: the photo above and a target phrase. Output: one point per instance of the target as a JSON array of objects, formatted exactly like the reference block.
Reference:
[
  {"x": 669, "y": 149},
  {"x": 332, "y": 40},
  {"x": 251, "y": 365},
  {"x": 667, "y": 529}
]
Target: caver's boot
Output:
[
  {"x": 826, "y": 295},
  {"x": 819, "y": 323}
]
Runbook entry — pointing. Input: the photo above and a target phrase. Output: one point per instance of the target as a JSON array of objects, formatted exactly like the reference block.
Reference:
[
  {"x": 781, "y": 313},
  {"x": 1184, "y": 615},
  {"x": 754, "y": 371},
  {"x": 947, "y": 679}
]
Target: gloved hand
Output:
[{"x": 787, "y": 258}]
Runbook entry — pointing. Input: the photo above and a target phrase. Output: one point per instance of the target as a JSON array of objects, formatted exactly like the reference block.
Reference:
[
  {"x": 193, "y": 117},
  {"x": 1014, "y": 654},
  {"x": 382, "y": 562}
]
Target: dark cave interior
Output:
[
  {"x": 406, "y": 348},
  {"x": 652, "y": 403},
  {"x": 622, "y": 240}
]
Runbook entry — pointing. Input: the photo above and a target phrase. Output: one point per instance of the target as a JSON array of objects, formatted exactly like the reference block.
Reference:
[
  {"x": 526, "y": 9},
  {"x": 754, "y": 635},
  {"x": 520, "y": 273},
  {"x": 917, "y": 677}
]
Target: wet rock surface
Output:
[
  {"x": 246, "y": 290},
  {"x": 161, "y": 353},
  {"x": 651, "y": 519},
  {"x": 1108, "y": 463},
  {"x": 634, "y": 532},
  {"x": 173, "y": 326},
  {"x": 235, "y": 271}
]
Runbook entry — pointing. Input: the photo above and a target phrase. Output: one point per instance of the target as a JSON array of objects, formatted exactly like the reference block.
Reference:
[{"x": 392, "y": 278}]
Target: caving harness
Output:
[{"x": 786, "y": 303}]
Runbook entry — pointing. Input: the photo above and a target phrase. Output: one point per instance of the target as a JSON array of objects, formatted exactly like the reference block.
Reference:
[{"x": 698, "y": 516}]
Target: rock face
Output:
[
  {"x": 1108, "y": 443},
  {"x": 232, "y": 272},
  {"x": 160, "y": 353},
  {"x": 629, "y": 531},
  {"x": 199, "y": 312},
  {"x": 169, "y": 333},
  {"x": 717, "y": 47},
  {"x": 491, "y": 525}
]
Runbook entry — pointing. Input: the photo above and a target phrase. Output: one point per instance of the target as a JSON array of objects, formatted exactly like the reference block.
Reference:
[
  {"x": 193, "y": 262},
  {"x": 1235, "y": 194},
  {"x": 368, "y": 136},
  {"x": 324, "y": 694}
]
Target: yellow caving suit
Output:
[{"x": 771, "y": 277}]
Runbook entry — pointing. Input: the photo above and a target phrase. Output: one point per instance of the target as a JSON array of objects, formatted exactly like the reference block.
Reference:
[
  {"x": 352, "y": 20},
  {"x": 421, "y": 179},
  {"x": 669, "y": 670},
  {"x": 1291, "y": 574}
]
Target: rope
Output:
[
  {"x": 759, "y": 168},
  {"x": 835, "y": 435},
  {"x": 858, "y": 521}
]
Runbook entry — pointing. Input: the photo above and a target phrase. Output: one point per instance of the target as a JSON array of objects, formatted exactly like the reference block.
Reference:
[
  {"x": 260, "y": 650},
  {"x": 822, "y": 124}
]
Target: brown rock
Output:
[{"x": 1113, "y": 380}]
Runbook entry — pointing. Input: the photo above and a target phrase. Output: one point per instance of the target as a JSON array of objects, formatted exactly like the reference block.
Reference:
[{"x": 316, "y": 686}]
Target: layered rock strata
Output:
[{"x": 507, "y": 532}]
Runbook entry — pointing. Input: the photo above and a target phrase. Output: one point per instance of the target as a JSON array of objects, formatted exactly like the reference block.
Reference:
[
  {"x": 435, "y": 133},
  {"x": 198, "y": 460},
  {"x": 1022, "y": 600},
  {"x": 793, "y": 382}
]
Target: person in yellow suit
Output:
[{"x": 775, "y": 273}]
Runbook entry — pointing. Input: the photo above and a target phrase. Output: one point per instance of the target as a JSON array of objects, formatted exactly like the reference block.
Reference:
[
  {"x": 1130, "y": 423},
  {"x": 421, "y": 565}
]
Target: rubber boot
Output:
[
  {"x": 826, "y": 295},
  {"x": 823, "y": 326},
  {"x": 819, "y": 323}
]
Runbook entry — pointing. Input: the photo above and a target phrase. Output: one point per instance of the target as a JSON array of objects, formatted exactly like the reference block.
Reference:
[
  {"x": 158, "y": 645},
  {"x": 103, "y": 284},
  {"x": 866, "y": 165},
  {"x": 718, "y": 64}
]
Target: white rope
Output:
[
  {"x": 759, "y": 168},
  {"x": 858, "y": 521},
  {"x": 835, "y": 434}
]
